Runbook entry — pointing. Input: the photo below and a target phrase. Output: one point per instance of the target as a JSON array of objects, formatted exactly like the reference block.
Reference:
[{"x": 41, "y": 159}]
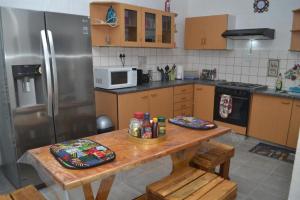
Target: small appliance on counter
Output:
[
  {"x": 142, "y": 77},
  {"x": 191, "y": 75},
  {"x": 179, "y": 72},
  {"x": 208, "y": 74},
  {"x": 115, "y": 78}
]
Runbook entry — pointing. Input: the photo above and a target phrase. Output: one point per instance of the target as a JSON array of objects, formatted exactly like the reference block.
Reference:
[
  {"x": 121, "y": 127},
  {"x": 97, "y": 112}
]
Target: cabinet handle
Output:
[
  {"x": 183, "y": 106},
  {"x": 153, "y": 95},
  {"x": 285, "y": 103},
  {"x": 183, "y": 98},
  {"x": 297, "y": 105},
  {"x": 199, "y": 89},
  {"x": 183, "y": 90},
  {"x": 144, "y": 97}
]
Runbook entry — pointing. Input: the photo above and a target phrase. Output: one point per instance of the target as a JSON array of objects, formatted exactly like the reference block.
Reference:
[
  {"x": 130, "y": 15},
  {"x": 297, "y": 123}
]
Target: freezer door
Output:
[
  {"x": 73, "y": 100},
  {"x": 32, "y": 125}
]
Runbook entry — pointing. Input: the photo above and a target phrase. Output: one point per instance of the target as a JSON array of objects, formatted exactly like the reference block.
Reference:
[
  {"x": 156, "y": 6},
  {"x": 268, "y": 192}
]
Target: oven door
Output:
[{"x": 240, "y": 108}]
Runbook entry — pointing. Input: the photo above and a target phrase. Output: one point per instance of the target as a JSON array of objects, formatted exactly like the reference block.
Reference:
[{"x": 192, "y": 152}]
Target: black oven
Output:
[{"x": 240, "y": 105}]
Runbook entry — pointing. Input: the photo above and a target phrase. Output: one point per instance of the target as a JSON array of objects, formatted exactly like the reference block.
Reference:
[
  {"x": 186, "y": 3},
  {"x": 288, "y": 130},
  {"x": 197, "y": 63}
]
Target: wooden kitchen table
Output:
[{"x": 180, "y": 143}]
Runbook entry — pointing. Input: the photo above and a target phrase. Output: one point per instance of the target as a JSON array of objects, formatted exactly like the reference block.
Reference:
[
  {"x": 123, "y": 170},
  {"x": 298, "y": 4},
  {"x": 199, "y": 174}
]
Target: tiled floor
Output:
[{"x": 258, "y": 177}]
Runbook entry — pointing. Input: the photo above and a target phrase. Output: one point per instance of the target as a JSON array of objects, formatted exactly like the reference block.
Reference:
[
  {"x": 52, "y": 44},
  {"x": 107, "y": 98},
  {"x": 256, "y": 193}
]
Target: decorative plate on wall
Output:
[{"x": 261, "y": 6}]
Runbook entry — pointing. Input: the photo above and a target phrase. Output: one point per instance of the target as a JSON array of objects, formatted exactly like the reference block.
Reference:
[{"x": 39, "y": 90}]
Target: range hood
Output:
[{"x": 250, "y": 34}]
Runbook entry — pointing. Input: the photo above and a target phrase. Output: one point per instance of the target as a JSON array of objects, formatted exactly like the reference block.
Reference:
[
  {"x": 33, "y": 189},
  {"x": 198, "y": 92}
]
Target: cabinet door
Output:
[
  {"x": 129, "y": 104},
  {"x": 150, "y": 27},
  {"x": 166, "y": 28},
  {"x": 194, "y": 33},
  {"x": 131, "y": 25},
  {"x": 215, "y": 26},
  {"x": 161, "y": 102},
  {"x": 294, "y": 125},
  {"x": 204, "y": 96},
  {"x": 270, "y": 118}
]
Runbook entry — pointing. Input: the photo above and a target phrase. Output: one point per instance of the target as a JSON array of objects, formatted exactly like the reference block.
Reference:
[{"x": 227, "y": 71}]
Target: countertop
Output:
[
  {"x": 157, "y": 85},
  {"x": 272, "y": 92}
]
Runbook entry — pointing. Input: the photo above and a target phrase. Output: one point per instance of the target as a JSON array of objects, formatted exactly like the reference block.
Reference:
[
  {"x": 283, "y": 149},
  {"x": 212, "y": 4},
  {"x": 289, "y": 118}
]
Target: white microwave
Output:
[{"x": 115, "y": 78}]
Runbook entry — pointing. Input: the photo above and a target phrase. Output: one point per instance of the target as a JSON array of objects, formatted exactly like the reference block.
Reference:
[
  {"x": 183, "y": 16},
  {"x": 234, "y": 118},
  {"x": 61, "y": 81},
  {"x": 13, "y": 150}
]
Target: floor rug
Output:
[{"x": 275, "y": 152}]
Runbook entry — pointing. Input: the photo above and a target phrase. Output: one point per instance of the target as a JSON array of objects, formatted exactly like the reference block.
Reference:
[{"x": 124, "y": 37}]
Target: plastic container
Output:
[{"x": 135, "y": 126}]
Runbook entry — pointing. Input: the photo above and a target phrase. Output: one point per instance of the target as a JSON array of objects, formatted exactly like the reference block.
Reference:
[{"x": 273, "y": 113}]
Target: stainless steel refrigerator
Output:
[{"x": 46, "y": 80}]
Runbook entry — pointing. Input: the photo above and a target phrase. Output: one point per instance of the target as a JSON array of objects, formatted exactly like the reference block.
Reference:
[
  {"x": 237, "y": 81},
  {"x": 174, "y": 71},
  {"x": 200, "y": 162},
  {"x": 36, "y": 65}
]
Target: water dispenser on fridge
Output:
[{"x": 28, "y": 84}]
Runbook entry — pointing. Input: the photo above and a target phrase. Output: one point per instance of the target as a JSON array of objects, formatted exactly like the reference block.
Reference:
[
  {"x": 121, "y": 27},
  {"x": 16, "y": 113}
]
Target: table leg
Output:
[
  {"x": 67, "y": 197},
  {"x": 88, "y": 191},
  {"x": 105, "y": 187},
  {"x": 182, "y": 158}
]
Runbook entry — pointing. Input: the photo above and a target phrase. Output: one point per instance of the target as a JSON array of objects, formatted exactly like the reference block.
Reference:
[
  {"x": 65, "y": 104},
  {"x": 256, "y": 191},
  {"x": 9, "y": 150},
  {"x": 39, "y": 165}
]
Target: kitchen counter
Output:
[
  {"x": 272, "y": 92},
  {"x": 157, "y": 85}
]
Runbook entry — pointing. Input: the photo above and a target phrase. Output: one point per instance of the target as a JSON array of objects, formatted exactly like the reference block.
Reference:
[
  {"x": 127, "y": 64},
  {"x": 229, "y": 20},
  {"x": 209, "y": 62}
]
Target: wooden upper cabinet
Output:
[
  {"x": 295, "y": 38},
  {"x": 130, "y": 22},
  {"x": 137, "y": 26},
  {"x": 161, "y": 102},
  {"x": 206, "y": 32},
  {"x": 204, "y": 96},
  {"x": 150, "y": 27},
  {"x": 270, "y": 118},
  {"x": 294, "y": 125}
]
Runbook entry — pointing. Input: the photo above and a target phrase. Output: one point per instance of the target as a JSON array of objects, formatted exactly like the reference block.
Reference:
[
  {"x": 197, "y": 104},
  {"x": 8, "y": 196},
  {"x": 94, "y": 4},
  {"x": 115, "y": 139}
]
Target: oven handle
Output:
[{"x": 242, "y": 98}]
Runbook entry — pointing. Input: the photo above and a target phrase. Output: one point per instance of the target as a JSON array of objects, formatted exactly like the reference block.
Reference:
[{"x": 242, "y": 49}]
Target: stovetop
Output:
[{"x": 242, "y": 86}]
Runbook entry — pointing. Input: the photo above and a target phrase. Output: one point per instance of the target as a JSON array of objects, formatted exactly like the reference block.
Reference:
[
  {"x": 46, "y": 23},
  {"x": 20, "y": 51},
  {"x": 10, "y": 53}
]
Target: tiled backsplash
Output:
[{"x": 231, "y": 65}]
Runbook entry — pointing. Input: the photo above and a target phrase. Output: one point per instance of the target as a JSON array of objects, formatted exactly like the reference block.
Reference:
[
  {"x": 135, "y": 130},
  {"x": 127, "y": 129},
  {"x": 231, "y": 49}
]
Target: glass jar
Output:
[
  {"x": 161, "y": 126},
  {"x": 135, "y": 126}
]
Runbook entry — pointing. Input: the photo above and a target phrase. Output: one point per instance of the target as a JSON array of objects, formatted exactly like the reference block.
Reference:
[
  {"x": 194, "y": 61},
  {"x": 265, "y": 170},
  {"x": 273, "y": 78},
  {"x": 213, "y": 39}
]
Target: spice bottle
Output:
[
  {"x": 161, "y": 126},
  {"x": 135, "y": 126},
  {"x": 154, "y": 128},
  {"x": 146, "y": 128}
]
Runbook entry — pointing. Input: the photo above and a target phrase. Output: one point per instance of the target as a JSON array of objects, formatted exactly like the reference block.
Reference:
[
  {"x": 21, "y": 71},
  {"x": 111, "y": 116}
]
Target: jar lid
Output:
[
  {"x": 138, "y": 115},
  {"x": 154, "y": 119},
  {"x": 147, "y": 116},
  {"x": 161, "y": 119}
]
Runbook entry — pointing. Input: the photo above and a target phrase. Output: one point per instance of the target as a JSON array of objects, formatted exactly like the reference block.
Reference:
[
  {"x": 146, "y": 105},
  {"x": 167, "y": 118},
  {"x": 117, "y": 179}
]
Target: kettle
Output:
[{"x": 179, "y": 72}]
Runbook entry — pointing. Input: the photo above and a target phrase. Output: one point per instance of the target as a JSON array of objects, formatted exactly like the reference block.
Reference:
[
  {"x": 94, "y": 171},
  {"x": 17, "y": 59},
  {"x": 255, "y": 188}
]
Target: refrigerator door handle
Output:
[
  {"x": 48, "y": 72},
  {"x": 54, "y": 72}
]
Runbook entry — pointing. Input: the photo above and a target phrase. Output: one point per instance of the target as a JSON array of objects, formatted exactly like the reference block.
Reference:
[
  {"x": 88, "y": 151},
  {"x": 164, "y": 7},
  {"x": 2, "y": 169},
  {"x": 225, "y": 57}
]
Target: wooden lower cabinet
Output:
[
  {"x": 157, "y": 102},
  {"x": 183, "y": 100},
  {"x": 294, "y": 125},
  {"x": 130, "y": 103},
  {"x": 161, "y": 102},
  {"x": 204, "y": 96},
  {"x": 270, "y": 118}
]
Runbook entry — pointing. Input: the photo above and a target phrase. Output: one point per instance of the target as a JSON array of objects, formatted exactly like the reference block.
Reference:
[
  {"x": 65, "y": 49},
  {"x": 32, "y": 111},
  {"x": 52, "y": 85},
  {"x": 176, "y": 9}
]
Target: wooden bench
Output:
[
  {"x": 192, "y": 184},
  {"x": 212, "y": 154},
  {"x": 25, "y": 193}
]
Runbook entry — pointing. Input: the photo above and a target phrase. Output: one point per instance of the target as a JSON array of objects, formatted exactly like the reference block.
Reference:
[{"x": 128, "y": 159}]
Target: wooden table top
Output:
[{"x": 129, "y": 154}]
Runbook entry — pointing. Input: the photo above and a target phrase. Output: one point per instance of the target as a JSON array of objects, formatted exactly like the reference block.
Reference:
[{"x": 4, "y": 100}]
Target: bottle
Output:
[
  {"x": 161, "y": 126},
  {"x": 146, "y": 127},
  {"x": 279, "y": 83},
  {"x": 154, "y": 127},
  {"x": 135, "y": 127},
  {"x": 167, "y": 5}
]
